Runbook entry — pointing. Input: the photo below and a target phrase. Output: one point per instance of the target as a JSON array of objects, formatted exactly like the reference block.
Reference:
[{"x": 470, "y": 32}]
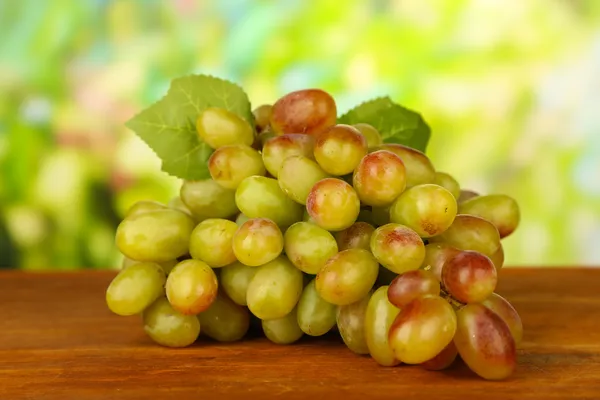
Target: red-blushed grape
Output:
[
  {"x": 501, "y": 210},
  {"x": 316, "y": 317},
  {"x": 278, "y": 148},
  {"x": 135, "y": 288},
  {"x": 211, "y": 242},
  {"x": 379, "y": 178},
  {"x": 484, "y": 342},
  {"x": 448, "y": 182},
  {"x": 469, "y": 276},
  {"x": 443, "y": 360},
  {"x": 262, "y": 116},
  {"x": 357, "y": 236},
  {"x": 410, "y": 285},
  {"x": 230, "y": 165},
  {"x": 466, "y": 195},
  {"x": 308, "y": 111},
  {"x": 436, "y": 254},
  {"x": 370, "y": 133},
  {"x": 419, "y": 169},
  {"x": 379, "y": 317},
  {"x": 469, "y": 232},
  {"x": 509, "y": 315},
  {"x": 168, "y": 327},
  {"x": 224, "y": 321},
  {"x": 297, "y": 176},
  {"x": 234, "y": 280},
  {"x": 427, "y": 209},
  {"x": 398, "y": 248},
  {"x": 257, "y": 242},
  {"x": 422, "y": 329},
  {"x": 219, "y": 127},
  {"x": 347, "y": 276},
  {"x": 208, "y": 199},
  {"x": 309, "y": 246},
  {"x": 351, "y": 325},
  {"x": 339, "y": 149},
  {"x": 333, "y": 204},
  {"x": 191, "y": 287}
]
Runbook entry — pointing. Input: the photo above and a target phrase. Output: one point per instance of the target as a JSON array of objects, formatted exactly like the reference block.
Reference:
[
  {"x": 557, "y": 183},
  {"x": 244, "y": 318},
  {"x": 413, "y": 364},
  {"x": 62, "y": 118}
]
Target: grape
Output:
[
  {"x": 141, "y": 207},
  {"x": 211, "y": 242},
  {"x": 177, "y": 204},
  {"x": 308, "y": 246},
  {"x": 219, "y": 127},
  {"x": 500, "y": 210},
  {"x": 379, "y": 317},
  {"x": 275, "y": 289},
  {"x": 307, "y": 218},
  {"x": 379, "y": 178},
  {"x": 469, "y": 232},
  {"x": 277, "y": 149},
  {"x": 168, "y": 327},
  {"x": 436, "y": 254},
  {"x": 380, "y": 216},
  {"x": 419, "y": 169},
  {"x": 469, "y": 276},
  {"x": 160, "y": 235},
  {"x": 422, "y": 329},
  {"x": 263, "y": 138},
  {"x": 347, "y": 276},
  {"x": 297, "y": 176},
  {"x": 385, "y": 276},
  {"x": 230, "y": 165},
  {"x": 339, "y": 149},
  {"x": 397, "y": 247},
  {"x": 235, "y": 279},
  {"x": 509, "y": 315},
  {"x": 208, "y": 199},
  {"x": 498, "y": 258},
  {"x": 333, "y": 204},
  {"x": 191, "y": 287},
  {"x": 357, "y": 236},
  {"x": 443, "y": 360},
  {"x": 412, "y": 284},
  {"x": 484, "y": 342},
  {"x": 466, "y": 195},
  {"x": 224, "y": 321},
  {"x": 448, "y": 182},
  {"x": 261, "y": 197},
  {"x": 316, "y": 317},
  {"x": 427, "y": 209},
  {"x": 309, "y": 111},
  {"x": 240, "y": 219},
  {"x": 135, "y": 288},
  {"x": 167, "y": 266},
  {"x": 370, "y": 133},
  {"x": 257, "y": 242},
  {"x": 262, "y": 116},
  {"x": 351, "y": 321},
  {"x": 284, "y": 330}
]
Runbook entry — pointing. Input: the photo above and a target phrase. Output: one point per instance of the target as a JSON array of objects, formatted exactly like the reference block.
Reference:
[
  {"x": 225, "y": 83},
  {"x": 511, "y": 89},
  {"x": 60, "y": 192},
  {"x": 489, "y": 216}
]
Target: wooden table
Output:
[{"x": 59, "y": 341}]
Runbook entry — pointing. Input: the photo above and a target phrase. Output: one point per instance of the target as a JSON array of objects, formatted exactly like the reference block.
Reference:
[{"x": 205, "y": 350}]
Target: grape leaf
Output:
[
  {"x": 169, "y": 125},
  {"x": 396, "y": 124}
]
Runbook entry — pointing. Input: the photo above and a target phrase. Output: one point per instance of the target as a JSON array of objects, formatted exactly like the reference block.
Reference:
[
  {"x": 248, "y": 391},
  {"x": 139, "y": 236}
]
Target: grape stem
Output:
[{"x": 457, "y": 305}]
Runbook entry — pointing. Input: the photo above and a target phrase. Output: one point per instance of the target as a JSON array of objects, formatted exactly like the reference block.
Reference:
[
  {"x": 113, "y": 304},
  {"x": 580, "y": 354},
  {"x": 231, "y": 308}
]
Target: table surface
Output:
[{"x": 59, "y": 341}]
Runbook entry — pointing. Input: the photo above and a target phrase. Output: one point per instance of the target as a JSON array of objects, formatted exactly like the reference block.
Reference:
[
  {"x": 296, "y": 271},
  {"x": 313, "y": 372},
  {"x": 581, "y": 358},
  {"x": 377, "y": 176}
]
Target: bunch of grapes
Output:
[{"x": 309, "y": 226}]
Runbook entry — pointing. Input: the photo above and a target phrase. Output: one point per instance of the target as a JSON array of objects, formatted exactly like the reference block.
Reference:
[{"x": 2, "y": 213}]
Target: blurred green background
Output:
[{"x": 510, "y": 89}]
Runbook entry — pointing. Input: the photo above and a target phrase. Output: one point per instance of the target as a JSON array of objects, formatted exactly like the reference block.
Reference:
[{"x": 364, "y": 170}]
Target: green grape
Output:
[
  {"x": 224, "y": 320},
  {"x": 275, "y": 289},
  {"x": 500, "y": 210},
  {"x": 443, "y": 360},
  {"x": 469, "y": 232},
  {"x": 168, "y": 266},
  {"x": 427, "y": 209},
  {"x": 469, "y": 276},
  {"x": 347, "y": 276},
  {"x": 316, "y": 317},
  {"x": 264, "y": 137},
  {"x": 235, "y": 279},
  {"x": 412, "y": 284},
  {"x": 379, "y": 178},
  {"x": 219, "y": 127},
  {"x": 307, "y": 218},
  {"x": 339, "y": 149},
  {"x": 191, "y": 287},
  {"x": 309, "y": 111},
  {"x": 308, "y": 246},
  {"x": 351, "y": 322},
  {"x": 230, "y": 165},
  {"x": 333, "y": 204},
  {"x": 278, "y": 148},
  {"x": 436, "y": 254},
  {"x": 484, "y": 342},
  {"x": 177, "y": 204},
  {"x": 261, "y": 197},
  {"x": 448, "y": 182},
  {"x": 240, "y": 219},
  {"x": 357, "y": 236},
  {"x": 498, "y": 258},
  {"x": 159, "y": 236},
  {"x": 419, "y": 169},
  {"x": 135, "y": 288},
  {"x": 370, "y": 133},
  {"x": 168, "y": 327},
  {"x": 297, "y": 176},
  {"x": 422, "y": 329},
  {"x": 262, "y": 116},
  {"x": 284, "y": 330},
  {"x": 379, "y": 317},
  {"x": 509, "y": 315},
  {"x": 397, "y": 247},
  {"x": 211, "y": 242},
  {"x": 466, "y": 195},
  {"x": 380, "y": 216},
  {"x": 141, "y": 207},
  {"x": 208, "y": 199},
  {"x": 257, "y": 242}
]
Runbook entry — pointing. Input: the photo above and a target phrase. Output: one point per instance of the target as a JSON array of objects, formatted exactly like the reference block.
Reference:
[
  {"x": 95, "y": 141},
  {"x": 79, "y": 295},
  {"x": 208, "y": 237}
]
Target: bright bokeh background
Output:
[{"x": 511, "y": 90}]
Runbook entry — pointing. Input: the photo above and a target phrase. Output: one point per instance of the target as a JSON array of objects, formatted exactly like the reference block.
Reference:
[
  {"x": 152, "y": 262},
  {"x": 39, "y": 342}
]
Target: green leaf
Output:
[
  {"x": 169, "y": 125},
  {"x": 396, "y": 124}
]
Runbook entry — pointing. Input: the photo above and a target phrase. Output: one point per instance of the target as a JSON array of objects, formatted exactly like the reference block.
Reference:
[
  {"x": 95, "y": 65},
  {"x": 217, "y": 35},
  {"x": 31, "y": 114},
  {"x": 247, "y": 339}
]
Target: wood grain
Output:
[{"x": 58, "y": 341}]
